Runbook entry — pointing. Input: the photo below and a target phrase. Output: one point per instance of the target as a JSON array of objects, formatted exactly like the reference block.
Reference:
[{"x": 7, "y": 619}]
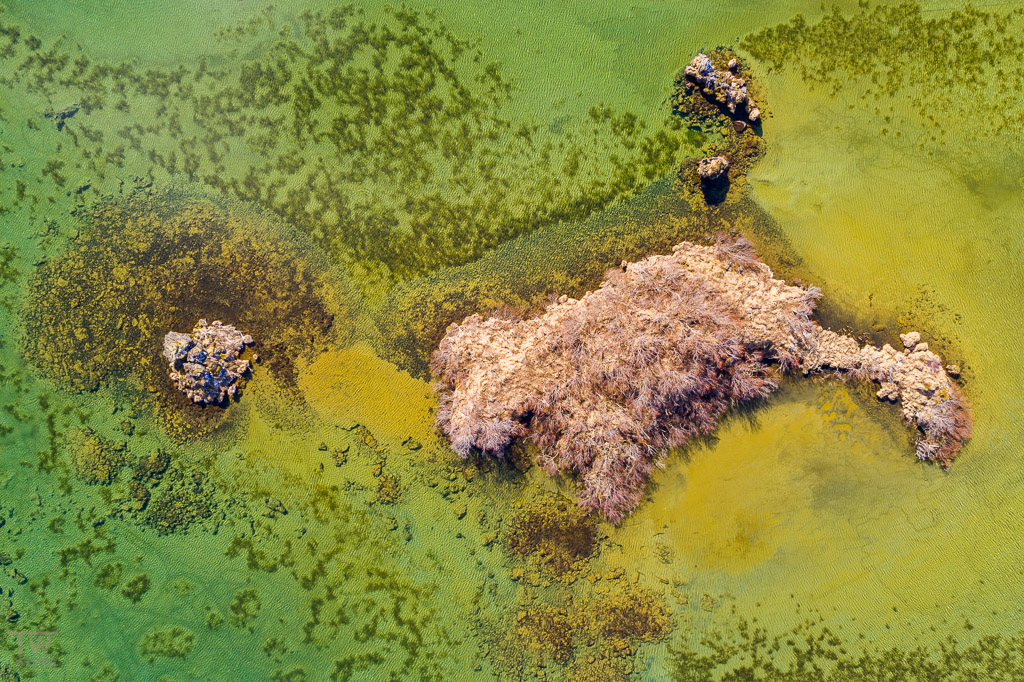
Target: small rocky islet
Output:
[{"x": 205, "y": 365}]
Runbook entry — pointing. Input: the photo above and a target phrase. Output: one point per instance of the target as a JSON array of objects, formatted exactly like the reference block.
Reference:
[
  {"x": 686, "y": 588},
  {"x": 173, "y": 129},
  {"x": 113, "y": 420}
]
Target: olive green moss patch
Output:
[
  {"x": 947, "y": 68},
  {"x": 399, "y": 147},
  {"x": 151, "y": 264}
]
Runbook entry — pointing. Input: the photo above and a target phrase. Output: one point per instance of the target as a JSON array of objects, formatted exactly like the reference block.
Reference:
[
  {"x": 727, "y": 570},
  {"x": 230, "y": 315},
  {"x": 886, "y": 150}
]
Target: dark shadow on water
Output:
[{"x": 715, "y": 191}]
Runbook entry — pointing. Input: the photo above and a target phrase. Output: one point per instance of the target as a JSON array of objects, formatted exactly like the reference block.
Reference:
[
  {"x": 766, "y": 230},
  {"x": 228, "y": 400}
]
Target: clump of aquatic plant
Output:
[
  {"x": 95, "y": 459},
  {"x": 150, "y": 264},
  {"x": 814, "y": 652},
  {"x": 593, "y": 641},
  {"x": 557, "y": 534},
  {"x": 174, "y": 642},
  {"x": 186, "y": 498},
  {"x": 631, "y": 615},
  {"x": 604, "y": 385},
  {"x": 245, "y": 607},
  {"x": 545, "y": 632}
]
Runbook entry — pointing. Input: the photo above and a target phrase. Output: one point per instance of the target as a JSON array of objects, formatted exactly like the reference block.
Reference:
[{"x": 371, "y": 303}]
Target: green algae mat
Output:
[{"x": 343, "y": 182}]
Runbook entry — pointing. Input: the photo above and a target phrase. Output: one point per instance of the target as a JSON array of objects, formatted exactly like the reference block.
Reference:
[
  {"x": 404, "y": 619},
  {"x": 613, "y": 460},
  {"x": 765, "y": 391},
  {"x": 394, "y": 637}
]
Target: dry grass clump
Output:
[
  {"x": 946, "y": 427},
  {"x": 606, "y": 384},
  {"x": 648, "y": 361}
]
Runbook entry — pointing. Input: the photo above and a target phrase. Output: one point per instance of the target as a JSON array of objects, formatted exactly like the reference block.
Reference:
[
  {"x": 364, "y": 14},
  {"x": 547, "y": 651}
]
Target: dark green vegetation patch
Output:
[
  {"x": 812, "y": 652},
  {"x": 556, "y": 533},
  {"x": 386, "y": 138},
  {"x": 947, "y": 67},
  {"x": 153, "y": 264}
]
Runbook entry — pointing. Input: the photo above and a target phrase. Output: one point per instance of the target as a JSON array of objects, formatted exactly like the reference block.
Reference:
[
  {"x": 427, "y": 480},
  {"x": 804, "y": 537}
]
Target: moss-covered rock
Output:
[
  {"x": 174, "y": 642},
  {"x": 95, "y": 459}
]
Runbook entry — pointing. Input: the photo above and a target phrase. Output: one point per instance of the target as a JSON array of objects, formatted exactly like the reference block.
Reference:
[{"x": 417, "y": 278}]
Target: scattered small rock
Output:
[
  {"x": 60, "y": 117},
  {"x": 274, "y": 507}
]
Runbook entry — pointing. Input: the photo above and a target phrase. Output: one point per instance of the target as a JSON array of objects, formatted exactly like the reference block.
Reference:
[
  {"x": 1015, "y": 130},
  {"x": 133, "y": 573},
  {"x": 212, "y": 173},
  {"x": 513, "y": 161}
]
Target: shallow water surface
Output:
[{"x": 347, "y": 180}]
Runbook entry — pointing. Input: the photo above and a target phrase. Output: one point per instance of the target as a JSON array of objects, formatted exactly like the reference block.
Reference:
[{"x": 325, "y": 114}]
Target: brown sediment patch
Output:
[
  {"x": 554, "y": 533},
  {"x": 153, "y": 262},
  {"x": 593, "y": 640}
]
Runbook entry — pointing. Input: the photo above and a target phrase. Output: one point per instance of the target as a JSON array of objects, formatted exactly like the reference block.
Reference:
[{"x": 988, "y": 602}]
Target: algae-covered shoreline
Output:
[{"x": 318, "y": 527}]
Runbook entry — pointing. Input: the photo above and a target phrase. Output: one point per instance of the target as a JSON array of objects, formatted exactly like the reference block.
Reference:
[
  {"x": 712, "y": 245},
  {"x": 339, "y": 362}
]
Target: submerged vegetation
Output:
[
  {"x": 556, "y": 533},
  {"x": 95, "y": 459},
  {"x": 402, "y": 152},
  {"x": 571, "y": 257},
  {"x": 816, "y": 653},
  {"x": 385, "y": 138},
  {"x": 961, "y": 64},
  {"x": 594, "y": 641},
  {"x": 152, "y": 263}
]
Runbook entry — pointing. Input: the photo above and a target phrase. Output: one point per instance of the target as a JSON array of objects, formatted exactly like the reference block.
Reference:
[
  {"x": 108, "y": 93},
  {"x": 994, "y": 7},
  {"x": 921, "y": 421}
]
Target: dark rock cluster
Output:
[
  {"x": 204, "y": 364},
  {"x": 724, "y": 86}
]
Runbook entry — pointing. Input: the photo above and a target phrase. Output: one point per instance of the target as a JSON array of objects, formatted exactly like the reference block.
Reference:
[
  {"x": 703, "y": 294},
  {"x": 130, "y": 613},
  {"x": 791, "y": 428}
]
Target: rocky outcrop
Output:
[
  {"x": 711, "y": 169},
  {"x": 204, "y": 365},
  {"x": 724, "y": 87},
  {"x": 604, "y": 384}
]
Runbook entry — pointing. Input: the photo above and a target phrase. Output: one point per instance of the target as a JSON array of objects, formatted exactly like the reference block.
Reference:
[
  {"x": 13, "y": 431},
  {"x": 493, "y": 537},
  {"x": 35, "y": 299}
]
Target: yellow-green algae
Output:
[
  {"x": 378, "y": 132},
  {"x": 832, "y": 476}
]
